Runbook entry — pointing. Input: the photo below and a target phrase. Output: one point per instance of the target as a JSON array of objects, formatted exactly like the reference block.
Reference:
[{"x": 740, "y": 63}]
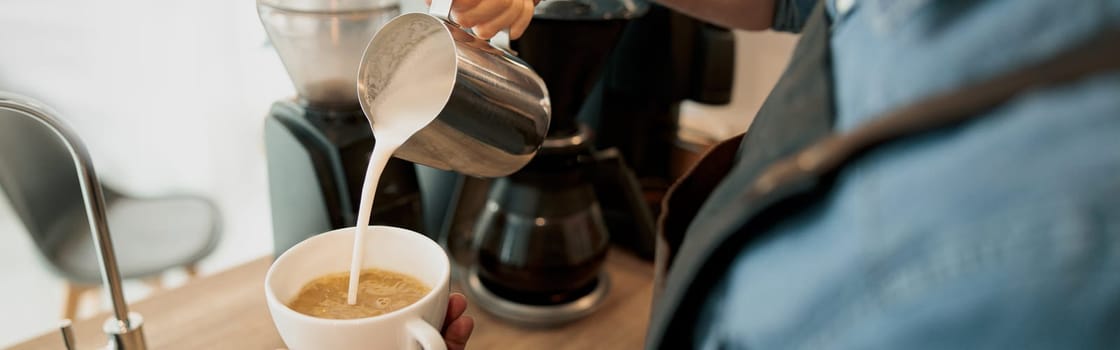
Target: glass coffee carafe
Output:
[{"x": 530, "y": 247}]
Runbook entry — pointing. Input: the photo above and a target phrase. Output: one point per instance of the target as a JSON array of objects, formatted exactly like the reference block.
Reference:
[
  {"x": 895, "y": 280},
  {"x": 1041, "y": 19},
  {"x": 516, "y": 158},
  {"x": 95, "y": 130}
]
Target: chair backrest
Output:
[{"x": 40, "y": 180}]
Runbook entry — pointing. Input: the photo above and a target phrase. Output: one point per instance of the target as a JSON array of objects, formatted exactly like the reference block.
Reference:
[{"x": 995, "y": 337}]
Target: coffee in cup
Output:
[
  {"x": 396, "y": 250},
  {"x": 379, "y": 292}
]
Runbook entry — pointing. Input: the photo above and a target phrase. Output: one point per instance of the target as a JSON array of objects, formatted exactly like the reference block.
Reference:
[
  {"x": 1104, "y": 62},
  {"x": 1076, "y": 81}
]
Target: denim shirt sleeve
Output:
[{"x": 790, "y": 15}]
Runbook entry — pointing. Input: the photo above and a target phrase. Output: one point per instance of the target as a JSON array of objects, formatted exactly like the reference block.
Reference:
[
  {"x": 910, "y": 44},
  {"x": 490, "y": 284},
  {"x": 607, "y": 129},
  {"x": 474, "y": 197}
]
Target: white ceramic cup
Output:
[{"x": 388, "y": 248}]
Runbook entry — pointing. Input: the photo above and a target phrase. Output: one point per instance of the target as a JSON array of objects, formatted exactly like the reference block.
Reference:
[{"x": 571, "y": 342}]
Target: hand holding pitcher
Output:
[{"x": 488, "y": 17}]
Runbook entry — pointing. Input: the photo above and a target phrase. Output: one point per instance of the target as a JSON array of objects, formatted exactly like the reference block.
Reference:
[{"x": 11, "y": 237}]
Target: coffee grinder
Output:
[
  {"x": 530, "y": 247},
  {"x": 318, "y": 143}
]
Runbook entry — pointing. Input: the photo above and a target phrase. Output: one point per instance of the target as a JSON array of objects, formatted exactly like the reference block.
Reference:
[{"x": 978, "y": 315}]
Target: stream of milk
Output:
[{"x": 416, "y": 93}]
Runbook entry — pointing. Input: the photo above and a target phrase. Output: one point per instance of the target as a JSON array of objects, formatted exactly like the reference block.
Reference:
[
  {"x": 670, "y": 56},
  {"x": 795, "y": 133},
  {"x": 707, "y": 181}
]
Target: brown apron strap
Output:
[{"x": 683, "y": 199}]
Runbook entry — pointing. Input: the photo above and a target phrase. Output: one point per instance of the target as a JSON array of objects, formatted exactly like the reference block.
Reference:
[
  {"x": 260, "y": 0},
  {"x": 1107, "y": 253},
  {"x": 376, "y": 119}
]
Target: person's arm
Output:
[
  {"x": 781, "y": 15},
  {"x": 736, "y": 14}
]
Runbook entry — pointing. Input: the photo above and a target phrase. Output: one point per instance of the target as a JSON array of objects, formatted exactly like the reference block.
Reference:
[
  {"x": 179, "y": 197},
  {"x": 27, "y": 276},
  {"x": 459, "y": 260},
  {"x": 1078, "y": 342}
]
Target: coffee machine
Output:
[
  {"x": 530, "y": 247},
  {"x": 661, "y": 60},
  {"x": 318, "y": 143}
]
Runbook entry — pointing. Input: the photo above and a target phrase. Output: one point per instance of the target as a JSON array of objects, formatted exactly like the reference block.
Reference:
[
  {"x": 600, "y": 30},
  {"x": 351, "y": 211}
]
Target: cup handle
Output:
[{"x": 424, "y": 333}]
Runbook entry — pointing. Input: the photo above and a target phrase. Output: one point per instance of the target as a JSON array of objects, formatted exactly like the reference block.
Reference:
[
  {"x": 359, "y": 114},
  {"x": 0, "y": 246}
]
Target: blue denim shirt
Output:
[{"x": 1000, "y": 234}]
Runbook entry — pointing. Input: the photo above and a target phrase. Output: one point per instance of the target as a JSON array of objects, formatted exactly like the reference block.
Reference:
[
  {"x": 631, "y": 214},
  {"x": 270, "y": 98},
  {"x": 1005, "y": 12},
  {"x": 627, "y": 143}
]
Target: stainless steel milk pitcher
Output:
[{"x": 496, "y": 115}]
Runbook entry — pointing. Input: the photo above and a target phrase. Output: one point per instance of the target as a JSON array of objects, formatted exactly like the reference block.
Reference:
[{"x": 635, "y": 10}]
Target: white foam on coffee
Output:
[{"x": 413, "y": 98}]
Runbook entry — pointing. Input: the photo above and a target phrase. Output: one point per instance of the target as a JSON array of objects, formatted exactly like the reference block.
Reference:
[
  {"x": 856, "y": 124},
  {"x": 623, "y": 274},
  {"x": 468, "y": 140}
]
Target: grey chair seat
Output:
[
  {"x": 41, "y": 163},
  {"x": 149, "y": 236}
]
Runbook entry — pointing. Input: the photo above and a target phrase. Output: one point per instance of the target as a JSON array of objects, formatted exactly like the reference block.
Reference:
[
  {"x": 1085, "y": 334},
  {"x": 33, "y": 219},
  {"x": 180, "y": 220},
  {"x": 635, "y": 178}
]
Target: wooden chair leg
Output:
[
  {"x": 192, "y": 270},
  {"x": 74, "y": 293}
]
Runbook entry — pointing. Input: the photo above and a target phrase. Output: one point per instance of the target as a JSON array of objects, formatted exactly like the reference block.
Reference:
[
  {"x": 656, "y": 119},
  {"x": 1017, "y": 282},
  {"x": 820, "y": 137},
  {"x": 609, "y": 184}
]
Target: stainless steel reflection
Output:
[
  {"x": 496, "y": 115},
  {"x": 123, "y": 328}
]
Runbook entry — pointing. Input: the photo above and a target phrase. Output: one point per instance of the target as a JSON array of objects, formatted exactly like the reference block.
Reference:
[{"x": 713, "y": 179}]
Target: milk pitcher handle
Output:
[
  {"x": 442, "y": 9},
  {"x": 501, "y": 41}
]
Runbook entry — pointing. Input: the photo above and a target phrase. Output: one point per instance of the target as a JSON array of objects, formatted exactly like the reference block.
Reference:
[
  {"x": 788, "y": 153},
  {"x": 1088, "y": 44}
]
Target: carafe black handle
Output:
[{"x": 616, "y": 184}]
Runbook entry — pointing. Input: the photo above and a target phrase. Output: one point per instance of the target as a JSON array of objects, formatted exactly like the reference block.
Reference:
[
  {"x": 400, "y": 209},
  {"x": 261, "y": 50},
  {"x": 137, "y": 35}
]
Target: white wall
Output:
[
  {"x": 169, "y": 96},
  {"x": 760, "y": 59}
]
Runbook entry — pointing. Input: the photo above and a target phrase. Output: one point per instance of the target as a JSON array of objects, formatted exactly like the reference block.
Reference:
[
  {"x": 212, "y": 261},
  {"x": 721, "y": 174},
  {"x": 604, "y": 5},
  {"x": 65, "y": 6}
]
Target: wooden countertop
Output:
[{"x": 228, "y": 311}]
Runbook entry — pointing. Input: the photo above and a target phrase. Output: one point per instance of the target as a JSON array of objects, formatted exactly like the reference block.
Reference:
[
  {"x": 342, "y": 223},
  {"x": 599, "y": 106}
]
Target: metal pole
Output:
[{"x": 124, "y": 330}]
